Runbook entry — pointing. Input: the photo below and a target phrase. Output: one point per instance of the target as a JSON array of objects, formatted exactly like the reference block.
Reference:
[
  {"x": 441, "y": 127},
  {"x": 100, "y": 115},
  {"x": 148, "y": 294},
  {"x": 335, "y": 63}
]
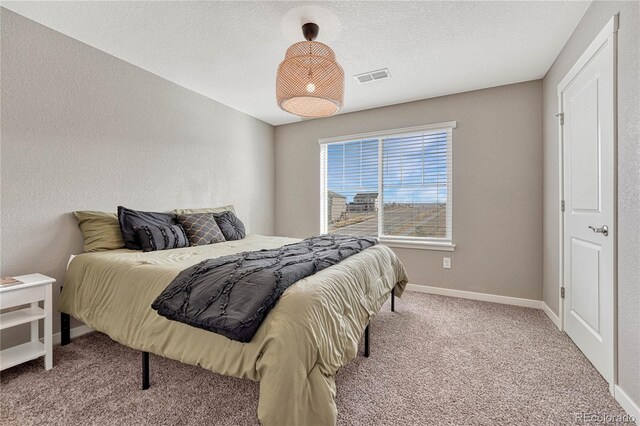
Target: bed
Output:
[{"x": 312, "y": 331}]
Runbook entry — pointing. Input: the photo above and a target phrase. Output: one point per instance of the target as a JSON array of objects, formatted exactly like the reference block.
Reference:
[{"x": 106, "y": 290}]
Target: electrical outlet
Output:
[{"x": 446, "y": 262}]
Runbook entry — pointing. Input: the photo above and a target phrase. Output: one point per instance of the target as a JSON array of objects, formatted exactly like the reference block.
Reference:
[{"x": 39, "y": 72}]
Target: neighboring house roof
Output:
[
  {"x": 366, "y": 195},
  {"x": 335, "y": 195}
]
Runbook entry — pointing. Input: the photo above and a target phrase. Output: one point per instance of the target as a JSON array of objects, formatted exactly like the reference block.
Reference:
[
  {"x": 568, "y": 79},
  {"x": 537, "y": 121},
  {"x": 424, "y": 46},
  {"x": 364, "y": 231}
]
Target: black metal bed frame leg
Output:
[
  {"x": 65, "y": 329},
  {"x": 366, "y": 342},
  {"x": 145, "y": 370},
  {"x": 393, "y": 301}
]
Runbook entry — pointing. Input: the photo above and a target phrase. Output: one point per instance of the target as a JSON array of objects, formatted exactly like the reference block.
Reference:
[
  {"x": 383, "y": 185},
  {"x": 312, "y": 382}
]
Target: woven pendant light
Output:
[{"x": 310, "y": 83}]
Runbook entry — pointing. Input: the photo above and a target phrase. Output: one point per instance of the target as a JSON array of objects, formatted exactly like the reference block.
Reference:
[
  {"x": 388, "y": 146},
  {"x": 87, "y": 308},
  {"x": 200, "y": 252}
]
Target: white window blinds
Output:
[
  {"x": 395, "y": 185},
  {"x": 415, "y": 194},
  {"x": 352, "y": 187}
]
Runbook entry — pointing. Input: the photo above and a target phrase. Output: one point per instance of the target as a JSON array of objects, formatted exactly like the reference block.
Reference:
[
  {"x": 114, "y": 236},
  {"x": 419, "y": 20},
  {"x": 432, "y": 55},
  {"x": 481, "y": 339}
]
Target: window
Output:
[{"x": 393, "y": 185}]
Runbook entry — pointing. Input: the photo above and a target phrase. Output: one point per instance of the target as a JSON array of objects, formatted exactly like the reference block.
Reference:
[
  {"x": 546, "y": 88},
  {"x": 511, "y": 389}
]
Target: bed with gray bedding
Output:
[{"x": 312, "y": 330}]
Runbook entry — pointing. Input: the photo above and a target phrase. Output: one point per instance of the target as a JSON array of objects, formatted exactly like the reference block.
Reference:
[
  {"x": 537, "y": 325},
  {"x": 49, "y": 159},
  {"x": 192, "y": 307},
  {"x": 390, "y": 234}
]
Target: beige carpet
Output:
[{"x": 435, "y": 361}]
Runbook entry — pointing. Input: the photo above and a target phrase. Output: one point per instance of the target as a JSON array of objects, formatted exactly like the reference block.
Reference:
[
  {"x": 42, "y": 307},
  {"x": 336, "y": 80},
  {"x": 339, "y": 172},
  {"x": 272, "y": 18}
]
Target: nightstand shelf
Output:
[
  {"x": 21, "y": 353},
  {"x": 22, "y": 316},
  {"x": 25, "y": 297}
]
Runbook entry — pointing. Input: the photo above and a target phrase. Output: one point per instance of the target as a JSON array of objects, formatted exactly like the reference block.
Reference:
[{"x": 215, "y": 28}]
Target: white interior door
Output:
[{"x": 587, "y": 101}]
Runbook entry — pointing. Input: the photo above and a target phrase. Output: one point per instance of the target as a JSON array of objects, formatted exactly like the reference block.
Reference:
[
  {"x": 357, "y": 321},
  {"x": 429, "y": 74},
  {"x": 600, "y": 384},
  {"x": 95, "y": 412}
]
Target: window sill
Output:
[{"x": 419, "y": 245}]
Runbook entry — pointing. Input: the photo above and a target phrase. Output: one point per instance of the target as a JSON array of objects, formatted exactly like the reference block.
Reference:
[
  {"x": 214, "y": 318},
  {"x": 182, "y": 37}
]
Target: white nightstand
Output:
[{"x": 35, "y": 287}]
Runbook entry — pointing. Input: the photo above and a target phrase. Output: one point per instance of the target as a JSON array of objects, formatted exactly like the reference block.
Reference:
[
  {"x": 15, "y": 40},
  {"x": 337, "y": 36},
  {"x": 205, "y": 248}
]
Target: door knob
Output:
[{"x": 604, "y": 230}]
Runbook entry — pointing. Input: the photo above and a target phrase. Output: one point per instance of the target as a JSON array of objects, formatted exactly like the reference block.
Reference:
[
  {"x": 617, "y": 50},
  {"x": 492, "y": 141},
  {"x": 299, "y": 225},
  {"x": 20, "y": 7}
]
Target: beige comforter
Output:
[{"x": 312, "y": 331}]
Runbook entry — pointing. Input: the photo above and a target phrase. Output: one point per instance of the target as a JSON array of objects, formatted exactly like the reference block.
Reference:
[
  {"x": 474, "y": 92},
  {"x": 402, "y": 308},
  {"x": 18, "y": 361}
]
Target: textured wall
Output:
[
  {"x": 592, "y": 23},
  {"x": 497, "y": 185},
  {"x": 84, "y": 130}
]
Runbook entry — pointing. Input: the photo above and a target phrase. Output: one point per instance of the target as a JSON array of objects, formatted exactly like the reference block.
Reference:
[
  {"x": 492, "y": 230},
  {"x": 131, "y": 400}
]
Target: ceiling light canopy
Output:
[{"x": 310, "y": 83}]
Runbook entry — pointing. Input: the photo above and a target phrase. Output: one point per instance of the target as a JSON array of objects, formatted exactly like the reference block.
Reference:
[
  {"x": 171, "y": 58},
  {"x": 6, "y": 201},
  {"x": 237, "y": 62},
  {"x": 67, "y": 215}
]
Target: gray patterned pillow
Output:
[{"x": 201, "y": 228}]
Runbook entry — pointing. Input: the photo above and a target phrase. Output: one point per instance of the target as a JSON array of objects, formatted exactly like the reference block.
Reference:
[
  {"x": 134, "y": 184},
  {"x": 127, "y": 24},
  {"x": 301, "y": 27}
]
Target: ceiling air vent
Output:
[{"x": 371, "y": 76}]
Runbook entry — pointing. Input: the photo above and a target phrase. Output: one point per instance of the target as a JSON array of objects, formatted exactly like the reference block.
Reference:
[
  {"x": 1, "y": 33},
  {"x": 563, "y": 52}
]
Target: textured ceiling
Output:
[{"x": 229, "y": 51}]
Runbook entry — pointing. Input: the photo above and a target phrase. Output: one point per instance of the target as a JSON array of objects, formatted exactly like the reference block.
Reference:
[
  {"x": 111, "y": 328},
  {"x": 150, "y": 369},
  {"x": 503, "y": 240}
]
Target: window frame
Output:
[{"x": 445, "y": 244}]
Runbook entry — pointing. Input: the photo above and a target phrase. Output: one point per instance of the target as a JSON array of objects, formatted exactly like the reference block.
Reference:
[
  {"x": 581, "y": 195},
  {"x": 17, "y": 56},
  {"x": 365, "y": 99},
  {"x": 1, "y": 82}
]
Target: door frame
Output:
[{"x": 610, "y": 30}]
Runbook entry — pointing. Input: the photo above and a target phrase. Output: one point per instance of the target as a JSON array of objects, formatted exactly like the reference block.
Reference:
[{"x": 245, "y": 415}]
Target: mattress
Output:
[{"x": 312, "y": 331}]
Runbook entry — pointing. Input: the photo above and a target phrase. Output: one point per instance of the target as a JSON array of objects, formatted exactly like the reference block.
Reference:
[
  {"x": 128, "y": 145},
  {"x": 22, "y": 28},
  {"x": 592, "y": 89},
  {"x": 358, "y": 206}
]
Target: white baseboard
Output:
[
  {"x": 552, "y": 316},
  {"x": 485, "y": 297},
  {"x": 75, "y": 332},
  {"x": 629, "y": 406}
]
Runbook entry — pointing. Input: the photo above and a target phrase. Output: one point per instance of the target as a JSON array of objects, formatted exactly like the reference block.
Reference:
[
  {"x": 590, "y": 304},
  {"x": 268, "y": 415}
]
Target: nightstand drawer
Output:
[{"x": 21, "y": 296}]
